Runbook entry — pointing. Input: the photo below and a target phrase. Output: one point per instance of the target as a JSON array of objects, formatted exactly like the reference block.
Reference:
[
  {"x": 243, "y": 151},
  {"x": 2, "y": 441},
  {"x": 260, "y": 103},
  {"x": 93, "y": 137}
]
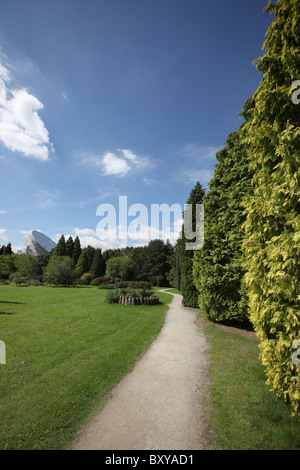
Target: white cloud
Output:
[
  {"x": 3, "y": 211},
  {"x": 129, "y": 155},
  {"x": 113, "y": 165},
  {"x": 21, "y": 128},
  {"x": 2, "y": 235},
  {"x": 84, "y": 232},
  {"x": 117, "y": 164}
]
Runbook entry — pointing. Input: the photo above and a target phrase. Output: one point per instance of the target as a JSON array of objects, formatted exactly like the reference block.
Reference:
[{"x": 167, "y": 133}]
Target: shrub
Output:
[
  {"x": 112, "y": 296},
  {"x": 85, "y": 279},
  {"x": 121, "y": 285},
  {"x": 96, "y": 281},
  {"x": 19, "y": 279}
]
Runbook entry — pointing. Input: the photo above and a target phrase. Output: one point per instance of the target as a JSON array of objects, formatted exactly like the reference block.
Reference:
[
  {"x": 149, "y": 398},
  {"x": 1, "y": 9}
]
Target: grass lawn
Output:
[
  {"x": 245, "y": 415},
  {"x": 66, "y": 349}
]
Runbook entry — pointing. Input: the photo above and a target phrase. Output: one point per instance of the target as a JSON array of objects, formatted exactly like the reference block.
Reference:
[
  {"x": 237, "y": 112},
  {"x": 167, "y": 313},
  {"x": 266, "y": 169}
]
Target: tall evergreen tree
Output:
[
  {"x": 90, "y": 251},
  {"x": 218, "y": 272},
  {"x": 185, "y": 257},
  {"x": 83, "y": 263},
  {"x": 69, "y": 247},
  {"x": 272, "y": 243},
  {"x": 98, "y": 265},
  {"x": 60, "y": 249},
  {"x": 8, "y": 249},
  {"x": 76, "y": 250}
]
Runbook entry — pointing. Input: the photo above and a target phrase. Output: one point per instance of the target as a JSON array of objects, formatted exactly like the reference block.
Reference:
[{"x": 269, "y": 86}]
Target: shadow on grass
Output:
[
  {"x": 240, "y": 326},
  {"x": 9, "y": 302}
]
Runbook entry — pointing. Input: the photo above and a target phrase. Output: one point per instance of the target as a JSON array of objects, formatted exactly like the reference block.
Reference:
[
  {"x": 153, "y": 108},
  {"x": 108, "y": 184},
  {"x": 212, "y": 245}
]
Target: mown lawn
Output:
[
  {"x": 245, "y": 415},
  {"x": 66, "y": 349}
]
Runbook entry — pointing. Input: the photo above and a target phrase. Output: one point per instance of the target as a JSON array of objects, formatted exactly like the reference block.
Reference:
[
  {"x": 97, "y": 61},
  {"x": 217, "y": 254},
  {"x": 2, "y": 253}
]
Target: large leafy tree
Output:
[
  {"x": 60, "y": 271},
  {"x": 218, "y": 272},
  {"x": 185, "y": 257},
  {"x": 120, "y": 268},
  {"x": 272, "y": 243}
]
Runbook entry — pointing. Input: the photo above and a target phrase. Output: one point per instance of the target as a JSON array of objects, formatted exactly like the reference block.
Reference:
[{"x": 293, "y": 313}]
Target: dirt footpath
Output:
[{"x": 162, "y": 404}]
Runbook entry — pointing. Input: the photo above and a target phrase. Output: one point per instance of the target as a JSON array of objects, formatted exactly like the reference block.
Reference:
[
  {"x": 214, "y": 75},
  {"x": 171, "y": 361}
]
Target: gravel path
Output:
[{"x": 162, "y": 404}]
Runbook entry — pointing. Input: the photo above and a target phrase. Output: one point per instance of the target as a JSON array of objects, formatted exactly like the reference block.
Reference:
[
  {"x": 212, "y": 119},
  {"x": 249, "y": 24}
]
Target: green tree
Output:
[
  {"x": 154, "y": 263},
  {"x": 60, "y": 271},
  {"x": 7, "y": 265},
  {"x": 218, "y": 272},
  {"x": 69, "y": 247},
  {"x": 98, "y": 265},
  {"x": 76, "y": 250},
  {"x": 60, "y": 249},
  {"x": 8, "y": 249},
  {"x": 272, "y": 244},
  {"x": 120, "y": 268},
  {"x": 90, "y": 251},
  {"x": 185, "y": 257},
  {"x": 83, "y": 264},
  {"x": 27, "y": 266}
]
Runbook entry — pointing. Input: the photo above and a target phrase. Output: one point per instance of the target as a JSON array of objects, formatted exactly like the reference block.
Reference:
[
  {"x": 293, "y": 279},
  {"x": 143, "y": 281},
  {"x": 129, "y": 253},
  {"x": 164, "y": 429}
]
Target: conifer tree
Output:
[
  {"x": 60, "y": 249},
  {"x": 83, "y": 263},
  {"x": 185, "y": 257},
  {"x": 272, "y": 243},
  {"x": 218, "y": 272},
  {"x": 8, "y": 249},
  {"x": 98, "y": 265},
  {"x": 76, "y": 250},
  {"x": 69, "y": 247}
]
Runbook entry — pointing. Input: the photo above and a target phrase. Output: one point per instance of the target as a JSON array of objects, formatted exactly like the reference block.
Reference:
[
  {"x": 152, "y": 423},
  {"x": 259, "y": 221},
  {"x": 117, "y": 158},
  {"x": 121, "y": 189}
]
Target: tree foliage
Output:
[
  {"x": 83, "y": 264},
  {"x": 60, "y": 271},
  {"x": 185, "y": 257},
  {"x": 120, "y": 268},
  {"x": 60, "y": 249},
  {"x": 76, "y": 250},
  {"x": 218, "y": 272},
  {"x": 69, "y": 247},
  {"x": 98, "y": 264},
  {"x": 272, "y": 243}
]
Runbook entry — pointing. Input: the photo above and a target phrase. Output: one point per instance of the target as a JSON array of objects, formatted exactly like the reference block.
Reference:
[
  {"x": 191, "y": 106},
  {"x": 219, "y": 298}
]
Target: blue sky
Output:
[{"x": 108, "y": 98}]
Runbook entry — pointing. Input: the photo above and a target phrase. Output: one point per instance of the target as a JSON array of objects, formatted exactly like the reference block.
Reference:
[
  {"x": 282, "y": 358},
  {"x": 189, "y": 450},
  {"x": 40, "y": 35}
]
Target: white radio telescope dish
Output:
[{"x": 37, "y": 243}]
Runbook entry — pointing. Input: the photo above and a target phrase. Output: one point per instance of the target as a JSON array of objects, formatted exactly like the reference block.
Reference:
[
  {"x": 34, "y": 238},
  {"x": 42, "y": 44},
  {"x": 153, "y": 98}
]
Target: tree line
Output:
[
  {"x": 249, "y": 266},
  {"x": 68, "y": 264}
]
